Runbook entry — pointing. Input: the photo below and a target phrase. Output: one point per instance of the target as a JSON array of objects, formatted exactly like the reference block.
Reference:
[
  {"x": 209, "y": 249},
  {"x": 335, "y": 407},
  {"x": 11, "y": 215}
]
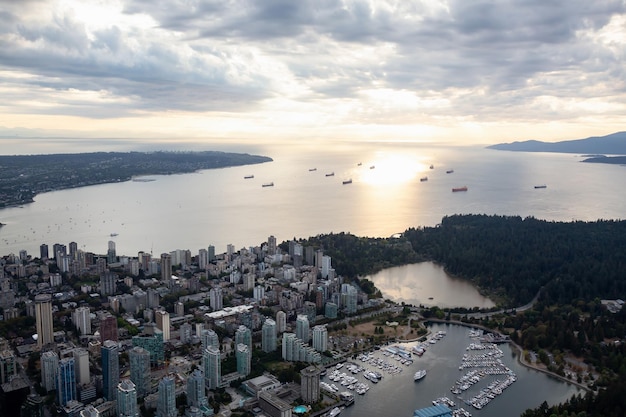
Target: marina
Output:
[{"x": 453, "y": 357}]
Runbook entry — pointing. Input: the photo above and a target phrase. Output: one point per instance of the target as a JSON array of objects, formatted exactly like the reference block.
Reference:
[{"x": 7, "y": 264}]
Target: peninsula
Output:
[
  {"x": 22, "y": 177},
  {"x": 613, "y": 144}
]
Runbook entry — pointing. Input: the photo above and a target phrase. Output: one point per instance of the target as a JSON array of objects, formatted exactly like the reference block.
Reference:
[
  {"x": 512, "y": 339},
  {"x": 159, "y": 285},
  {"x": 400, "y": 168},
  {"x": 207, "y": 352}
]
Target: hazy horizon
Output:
[{"x": 205, "y": 72}]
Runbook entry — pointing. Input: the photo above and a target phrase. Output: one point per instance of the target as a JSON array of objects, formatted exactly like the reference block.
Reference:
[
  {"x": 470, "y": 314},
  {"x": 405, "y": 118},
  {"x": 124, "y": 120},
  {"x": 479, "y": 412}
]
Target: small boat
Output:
[
  {"x": 347, "y": 181},
  {"x": 430, "y": 298},
  {"x": 359, "y": 164},
  {"x": 268, "y": 184},
  {"x": 113, "y": 234},
  {"x": 419, "y": 375},
  {"x": 247, "y": 177},
  {"x": 423, "y": 179},
  {"x": 541, "y": 186},
  {"x": 334, "y": 412},
  {"x": 457, "y": 189},
  {"x": 373, "y": 166},
  {"x": 330, "y": 174},
  {"x": 432, "y": 167},
  {"x": 450, "y": 171},
  {"x": 312, "y": 169}
]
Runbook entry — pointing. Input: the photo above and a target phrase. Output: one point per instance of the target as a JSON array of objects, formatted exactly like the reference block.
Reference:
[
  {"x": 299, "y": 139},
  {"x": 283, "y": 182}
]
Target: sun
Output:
[{"x": 389, "y": 169}]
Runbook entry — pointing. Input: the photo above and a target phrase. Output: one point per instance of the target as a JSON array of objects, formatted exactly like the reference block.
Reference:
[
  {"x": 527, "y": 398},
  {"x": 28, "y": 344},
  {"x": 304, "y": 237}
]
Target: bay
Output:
[
  {"x": 220, "y": 207},
  {"x": 429, "y": 285},
  {"x": 399, "y": 395}
]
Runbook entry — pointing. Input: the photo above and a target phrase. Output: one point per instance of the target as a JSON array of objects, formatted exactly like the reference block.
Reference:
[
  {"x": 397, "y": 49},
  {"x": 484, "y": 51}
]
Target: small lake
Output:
[{"x": 428, "y": 284}]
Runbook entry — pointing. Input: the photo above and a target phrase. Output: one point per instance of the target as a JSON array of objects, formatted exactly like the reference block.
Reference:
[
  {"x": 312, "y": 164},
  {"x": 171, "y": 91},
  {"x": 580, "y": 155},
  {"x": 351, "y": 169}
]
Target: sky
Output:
[{"x": 452, "y": 72}]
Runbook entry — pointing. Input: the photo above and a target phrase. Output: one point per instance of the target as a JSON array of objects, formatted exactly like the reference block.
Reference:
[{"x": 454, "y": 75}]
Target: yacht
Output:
[{"x": 419, "y": 375}]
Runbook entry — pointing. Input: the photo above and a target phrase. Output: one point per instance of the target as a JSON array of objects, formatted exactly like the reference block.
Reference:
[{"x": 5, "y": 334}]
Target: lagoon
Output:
[{"x": 428, "y": 284}]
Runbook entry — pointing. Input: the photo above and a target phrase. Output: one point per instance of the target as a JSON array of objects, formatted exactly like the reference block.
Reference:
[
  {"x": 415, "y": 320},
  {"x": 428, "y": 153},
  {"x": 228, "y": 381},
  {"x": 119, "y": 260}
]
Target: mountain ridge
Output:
[{"x": 612, "y": 144}]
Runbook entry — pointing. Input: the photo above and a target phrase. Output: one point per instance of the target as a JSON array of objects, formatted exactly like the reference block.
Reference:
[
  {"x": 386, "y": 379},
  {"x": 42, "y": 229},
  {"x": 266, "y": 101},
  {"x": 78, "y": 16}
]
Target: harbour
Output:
[{"x": 494, "y": 371}]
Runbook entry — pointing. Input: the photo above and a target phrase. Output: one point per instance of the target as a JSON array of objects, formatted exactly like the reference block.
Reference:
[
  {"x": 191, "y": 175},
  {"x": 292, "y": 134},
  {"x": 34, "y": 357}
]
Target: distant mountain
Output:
[{"x": 613, "y": 144}]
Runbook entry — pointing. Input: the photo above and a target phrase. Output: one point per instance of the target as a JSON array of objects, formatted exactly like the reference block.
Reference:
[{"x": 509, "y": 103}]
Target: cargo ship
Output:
[
  {"x": 457, "y": 189},
  {"x": 541, "y": 186},
  {"x": 330, "y": 174},
  {"x": 268, "y": 184},
  {"x": 247, "y": 177},
  {"x": 423, "y": 179},
  {"x": 347, "y": 181}
]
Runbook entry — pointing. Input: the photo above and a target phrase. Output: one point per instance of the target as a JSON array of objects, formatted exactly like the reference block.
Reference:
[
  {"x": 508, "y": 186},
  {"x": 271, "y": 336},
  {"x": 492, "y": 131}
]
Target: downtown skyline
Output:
[{"x": 176, "y": 73}]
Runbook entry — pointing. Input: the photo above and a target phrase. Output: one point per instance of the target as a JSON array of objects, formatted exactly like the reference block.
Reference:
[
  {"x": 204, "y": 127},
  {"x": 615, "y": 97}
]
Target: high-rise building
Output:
[
  {"x": 8, "y": 366},
  {"x": 153, "y": 343},
  {"x": 212, "y": 367},
  {"x": 216, "y": 298},
  {"x": 166, "y": 404},
  {"x": 268, "y": 335},
  {"x": 244, "y": 335},
  {"x": 350, "y": 295},
  {"x": 203, "y": 259},
  {"x": 82, "y": 320},
  {"x": 140, "y": 370},
  {"x": 281, "y": 321},
  {"x": 66, "y": 381},
  {"x": 196, "y": 390},
  {"x": 179, "y": 309},
  {"x": 49, "y": 366},
  {"x": 110, "y": 369},
  {"x": 211, "y": 252},
  {"x": 166, "y": 268},
  {"x": 258, "y": 293},
  {"x": 302, "y": 328},
  {"x": 326, "y": 266},
  {"x": 108, "y": 328},
  {"x": 184, "y": 332},
  {"x": 43, "y": 251},
  {"x": 127, "y": 399},
  {"x": 162, "y": 319},
  {"x": 208, "y": 337},
  {"x": 320, "y": 338},
  {"x": 32, "y": 407},
  {"x": 43, "y": 317},
  {"x": 271, "y": 245},
  {"x": 330, "y": 310},
  {"x": 81, "y": 363},
  {"x": 111, "y": 255},
  {"x": 73, "y": 250},
  {"x": 310, "y": 384},
  {"x": 108, "y": 283},
  {"x": 244, "y": 359}
]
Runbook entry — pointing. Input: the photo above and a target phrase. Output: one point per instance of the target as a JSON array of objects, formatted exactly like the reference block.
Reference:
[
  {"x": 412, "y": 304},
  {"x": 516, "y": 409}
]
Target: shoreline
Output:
[{"x": 518, "y": 349}]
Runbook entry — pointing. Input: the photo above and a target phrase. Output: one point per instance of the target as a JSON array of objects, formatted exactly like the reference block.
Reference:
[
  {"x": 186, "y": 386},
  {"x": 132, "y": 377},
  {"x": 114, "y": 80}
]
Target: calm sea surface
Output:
[{"x": 218, "y": 207}]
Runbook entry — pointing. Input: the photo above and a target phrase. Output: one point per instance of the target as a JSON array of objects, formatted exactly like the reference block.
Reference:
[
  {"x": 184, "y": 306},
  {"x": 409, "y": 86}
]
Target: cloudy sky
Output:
[{"x": 410, "y": 70}]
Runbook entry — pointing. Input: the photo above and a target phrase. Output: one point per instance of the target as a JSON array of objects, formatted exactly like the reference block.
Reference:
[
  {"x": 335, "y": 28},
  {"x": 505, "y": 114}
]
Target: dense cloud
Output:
[{"x": 513, "y": 59}]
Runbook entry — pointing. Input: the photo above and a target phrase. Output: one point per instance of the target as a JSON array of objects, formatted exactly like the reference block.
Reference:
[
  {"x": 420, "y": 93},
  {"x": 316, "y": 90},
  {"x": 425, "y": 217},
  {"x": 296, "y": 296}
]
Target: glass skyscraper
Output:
[
  {"x": 127, "y": 399},
  {"x": 110, "y": 369},
  {"x": 66, "y": 381},
  {"x": 166, "y": 405},
  {"x": 140, "y": 369},
  {"x": 268, "y": 336}
]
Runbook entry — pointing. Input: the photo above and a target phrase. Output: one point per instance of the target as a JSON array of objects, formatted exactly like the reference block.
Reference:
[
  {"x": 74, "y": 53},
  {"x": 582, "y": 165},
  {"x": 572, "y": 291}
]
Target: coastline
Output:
[{"x": 519, "y": 350}]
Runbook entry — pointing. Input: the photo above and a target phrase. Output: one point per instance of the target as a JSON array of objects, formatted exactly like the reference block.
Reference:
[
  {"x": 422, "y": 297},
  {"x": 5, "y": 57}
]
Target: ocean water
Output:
[{"x": 386, "y": 196}]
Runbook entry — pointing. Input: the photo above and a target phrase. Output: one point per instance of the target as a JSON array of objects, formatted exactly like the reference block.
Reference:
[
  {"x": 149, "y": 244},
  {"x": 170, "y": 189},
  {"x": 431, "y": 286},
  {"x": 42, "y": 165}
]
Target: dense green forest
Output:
[{"x": 515, "y": 257}]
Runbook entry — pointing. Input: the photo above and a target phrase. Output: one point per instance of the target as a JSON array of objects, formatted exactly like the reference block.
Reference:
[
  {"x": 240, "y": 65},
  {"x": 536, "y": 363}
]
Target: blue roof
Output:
[{"x": 434, "y": 411}]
